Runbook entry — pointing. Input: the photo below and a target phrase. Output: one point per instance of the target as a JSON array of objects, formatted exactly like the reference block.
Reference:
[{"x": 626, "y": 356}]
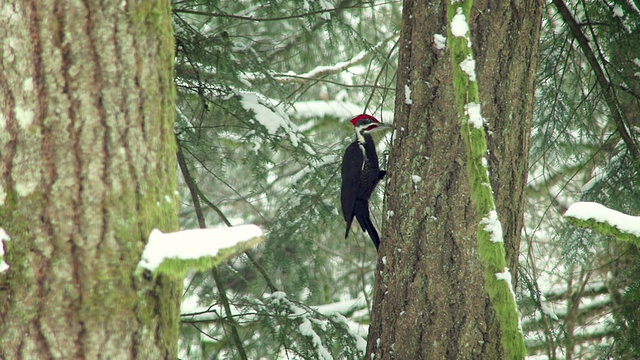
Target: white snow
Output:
[
  {"x": 633, "y": 6},
  {"x": 323, "y": 70},
  {"x": 493, "y": 226},
  {"x": 459, "y": 26},
  {"x": 407, "y": 95},
  {"x": 468, "y": 65},
  {"x": 636, "y": 61},
  {"x": 326, "y": 160},
  {"x": 333, "y": 108},
  {"x": 333, "y": 310},
  {"x": 193, "y": 244},
  {"x": 547, "y": 309},
  {"x": 271, "y": 117},
  {"x": 598, "y": 176},
  {"x": 600, "y": 213},
  {"x": 440, "y": 41},
  {"x": 617, "y": 11},
  {"x": 3, "y": 237},
  {"x": 506, "y": 277},
  {"x": 341, "y": 307},
  {"x": 306, "y": 329},
  {"x": 326, "y": 5},
  {"x": 309, "y": 149},
  {"x": 473, "y": 112}
]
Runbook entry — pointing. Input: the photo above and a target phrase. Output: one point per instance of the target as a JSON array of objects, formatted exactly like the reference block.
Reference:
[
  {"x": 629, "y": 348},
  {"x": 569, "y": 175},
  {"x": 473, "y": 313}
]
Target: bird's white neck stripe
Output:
[{"x": 360, "y": 138}]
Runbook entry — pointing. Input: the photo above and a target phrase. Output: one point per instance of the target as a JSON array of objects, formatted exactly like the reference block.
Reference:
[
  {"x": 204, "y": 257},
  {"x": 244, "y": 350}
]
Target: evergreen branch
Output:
[
  {"x": 358, "y": 5},
  {"x": 366, "y": 106},
  {"x": 608, "y": 90},
  {"x": 255, "y": 19},
  {"x": 489, "y": 234},
  {"x": 341, "y": 84},
  {"x": 606, "y": 221},
  {"x": 323, "y": 71},
  {"x": 254, "y": 262},
  {"x": 235, "y": 336},
  {"x": 293, "y": 40}
]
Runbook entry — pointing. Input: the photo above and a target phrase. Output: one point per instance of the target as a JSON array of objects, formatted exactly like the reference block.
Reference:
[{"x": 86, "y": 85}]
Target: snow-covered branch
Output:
[
  {"x": 174, "y": 253},
  {"x": 322, "y": 71},
  {"x": 606, "y": 221}
]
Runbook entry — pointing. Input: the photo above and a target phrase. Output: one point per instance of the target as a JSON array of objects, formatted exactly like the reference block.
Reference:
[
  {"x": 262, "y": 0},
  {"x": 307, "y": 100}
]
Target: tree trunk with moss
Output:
[
  {"x": 87, "y": 165},
  {"x": 429, "y": 300}
]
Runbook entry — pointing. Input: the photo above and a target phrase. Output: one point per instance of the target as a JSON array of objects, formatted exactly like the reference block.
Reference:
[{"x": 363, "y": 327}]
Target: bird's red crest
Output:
[{"x": 355, "y": 120}]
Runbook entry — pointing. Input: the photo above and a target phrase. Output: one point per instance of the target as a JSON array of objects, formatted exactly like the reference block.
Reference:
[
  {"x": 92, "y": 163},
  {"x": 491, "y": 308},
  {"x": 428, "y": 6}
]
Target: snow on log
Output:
[
  {"x": 198, "y": 248},
  {"x": 606, "y": 221}
]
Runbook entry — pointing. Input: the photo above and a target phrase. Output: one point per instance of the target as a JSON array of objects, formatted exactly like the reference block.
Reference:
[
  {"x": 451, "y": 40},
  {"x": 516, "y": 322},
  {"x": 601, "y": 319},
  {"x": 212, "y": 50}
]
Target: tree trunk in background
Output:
[
  {"x": 87, "y": 164},
  {"x": 429, "y": 300}
]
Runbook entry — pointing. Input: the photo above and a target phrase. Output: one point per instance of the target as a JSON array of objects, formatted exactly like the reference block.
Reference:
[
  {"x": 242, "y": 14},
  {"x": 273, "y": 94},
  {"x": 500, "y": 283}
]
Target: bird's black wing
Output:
[
  {"x": 351, "y": 174},
  {"x": 361, "y": 211}
]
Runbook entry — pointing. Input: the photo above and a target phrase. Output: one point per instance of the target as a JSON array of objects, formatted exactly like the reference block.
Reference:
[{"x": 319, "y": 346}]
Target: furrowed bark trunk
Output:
[
  {"x": 87, "y": 165},
  {"x": 429, "y": 299}
]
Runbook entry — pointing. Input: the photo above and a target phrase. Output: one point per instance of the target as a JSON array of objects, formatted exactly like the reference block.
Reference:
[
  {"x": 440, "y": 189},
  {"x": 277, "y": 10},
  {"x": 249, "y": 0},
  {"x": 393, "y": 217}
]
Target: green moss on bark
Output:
[{"x": 491, "y": 253}]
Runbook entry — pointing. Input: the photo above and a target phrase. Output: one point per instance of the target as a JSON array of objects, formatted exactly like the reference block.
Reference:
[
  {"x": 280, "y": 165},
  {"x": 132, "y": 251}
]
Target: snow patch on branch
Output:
[
  {"x": 633, "y": 6},
  {"x": 322, "y": 71},
  {"x": 3, "y": 238},
  {"x": 506, "y": 277},
  {"x": 547, "y": 309},
  {"x": 333, "y": 108},
  {"x": 306, "y": 329},
  {"x": 407, "y": 95},
  {"x": 493, "y": 226},
  {"x": 473, "y": 113},
  {"x": 193, "y": 244},
  {"x": 636, "y": 61},
  {"x": 618, "y": 12},
  {"x": 468, "y": 65},
  {"x": 593, "y": 211},
  {"x": 459, "y": 26},
  {"x": 440, "y": 41},
  {"x": 326, "y": 5},
  {"x": 308, "y": 320},
  {"x": 309, "y": 169},
  {"x": 271, "y": 117}
]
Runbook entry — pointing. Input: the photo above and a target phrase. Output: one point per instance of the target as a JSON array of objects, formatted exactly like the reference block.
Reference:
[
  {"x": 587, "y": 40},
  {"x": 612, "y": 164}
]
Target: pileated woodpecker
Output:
[{"x": 360, "y": 175}]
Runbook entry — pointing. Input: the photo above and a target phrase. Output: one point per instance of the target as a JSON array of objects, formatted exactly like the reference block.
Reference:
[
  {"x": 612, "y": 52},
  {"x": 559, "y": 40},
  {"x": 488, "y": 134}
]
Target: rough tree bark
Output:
[
  {"x": 87, "y": 165},
  {"x": 429, "y": 300}
]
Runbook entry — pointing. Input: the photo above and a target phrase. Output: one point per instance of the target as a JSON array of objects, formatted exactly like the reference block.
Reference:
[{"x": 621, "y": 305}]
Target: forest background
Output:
[{"x": 265, "y": 94}]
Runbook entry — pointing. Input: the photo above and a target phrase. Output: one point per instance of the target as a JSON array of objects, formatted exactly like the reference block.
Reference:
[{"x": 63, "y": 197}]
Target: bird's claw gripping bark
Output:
[{"x": 385, "y": 156}]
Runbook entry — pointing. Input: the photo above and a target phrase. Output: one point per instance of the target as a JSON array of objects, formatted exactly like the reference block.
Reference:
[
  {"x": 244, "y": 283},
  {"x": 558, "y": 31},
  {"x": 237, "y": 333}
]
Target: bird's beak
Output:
[{"x": 382, "y": 126}]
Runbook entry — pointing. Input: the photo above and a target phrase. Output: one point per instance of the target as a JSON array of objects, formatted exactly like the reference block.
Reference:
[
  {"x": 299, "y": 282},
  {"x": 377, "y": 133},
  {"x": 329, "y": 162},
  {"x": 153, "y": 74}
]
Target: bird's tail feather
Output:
[{"x": 361, "y": 211}]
